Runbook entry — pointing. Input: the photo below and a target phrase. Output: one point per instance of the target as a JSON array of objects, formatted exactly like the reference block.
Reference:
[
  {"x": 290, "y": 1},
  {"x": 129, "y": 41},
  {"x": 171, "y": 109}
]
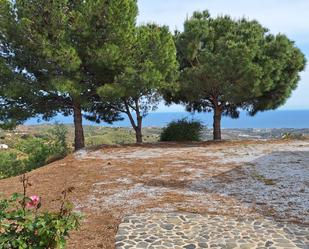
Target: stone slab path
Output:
[{"x": 192, "y": 231}]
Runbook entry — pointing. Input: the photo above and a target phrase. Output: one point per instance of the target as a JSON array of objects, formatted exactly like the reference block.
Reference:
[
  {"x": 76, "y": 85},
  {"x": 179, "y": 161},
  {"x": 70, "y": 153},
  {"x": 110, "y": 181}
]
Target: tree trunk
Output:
[
  {"x": 138, "y": 135},
  {"x": 79, "y": 139},
  {"x": 217, "y": 123},
  {"x": 137, "y": 126},
  {"x": 138, "y": 130}
]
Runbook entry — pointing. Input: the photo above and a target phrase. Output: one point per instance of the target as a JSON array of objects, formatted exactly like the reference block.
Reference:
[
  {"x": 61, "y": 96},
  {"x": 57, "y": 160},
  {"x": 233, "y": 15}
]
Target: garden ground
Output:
[{"x": 252, "y": 179}]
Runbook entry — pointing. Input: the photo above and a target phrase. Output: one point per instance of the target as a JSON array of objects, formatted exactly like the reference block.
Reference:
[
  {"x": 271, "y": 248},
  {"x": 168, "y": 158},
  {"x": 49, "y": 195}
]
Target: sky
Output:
[{"x": 279, "y": 16}]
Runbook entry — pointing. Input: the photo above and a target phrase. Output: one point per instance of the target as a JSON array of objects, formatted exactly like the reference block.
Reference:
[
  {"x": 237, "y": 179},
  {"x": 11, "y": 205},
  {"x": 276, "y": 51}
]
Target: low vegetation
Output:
[
  {"x": 182, "y": 130},
  {"x": 28, "y": 152},
  {"x": 23, "y": 226},
  {"x": 31, "y": 147}
]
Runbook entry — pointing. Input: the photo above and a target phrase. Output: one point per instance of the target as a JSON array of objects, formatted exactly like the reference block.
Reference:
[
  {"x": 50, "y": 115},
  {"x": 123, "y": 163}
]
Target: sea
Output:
[{"x": 297, "y": 119}]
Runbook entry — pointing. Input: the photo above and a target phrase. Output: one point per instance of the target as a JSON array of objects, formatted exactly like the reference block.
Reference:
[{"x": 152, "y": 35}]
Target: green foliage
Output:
[
  {"x": 228, "y": 64},
  {"x": 23, "y": 226},
  {"x": 151, "y": 69},
  {"x": 37, "y": 151},
  {"x": 59, "y": 140},
  {"x": 182, "y": 130},
  {"x": 104, "y": 135},
  {"x": 119, "y": 137},
  {"x": 10, "y": 165},
  {"x": 13, "y": 108},
  {"x": 68, "y": 52},
  {"x": 263, "y": 179}
]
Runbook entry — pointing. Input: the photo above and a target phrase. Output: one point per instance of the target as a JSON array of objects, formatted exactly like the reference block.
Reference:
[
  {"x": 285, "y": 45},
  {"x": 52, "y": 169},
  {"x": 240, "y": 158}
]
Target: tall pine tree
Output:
[
  {"x": 152, "y": 69},
  {"x": 67, "y": 49},
  {"x": 229, "y": 64}
]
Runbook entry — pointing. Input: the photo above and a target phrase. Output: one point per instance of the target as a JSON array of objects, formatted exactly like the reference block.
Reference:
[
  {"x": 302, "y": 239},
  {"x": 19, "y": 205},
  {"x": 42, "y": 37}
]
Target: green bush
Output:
[
  {"x": 37, "y": 151},
  {"x": 9, "y": 164},
  {"x": 182, "y": 130},
  {"x": 23, "y": 226},
  {"x": 58, "y": 136}
]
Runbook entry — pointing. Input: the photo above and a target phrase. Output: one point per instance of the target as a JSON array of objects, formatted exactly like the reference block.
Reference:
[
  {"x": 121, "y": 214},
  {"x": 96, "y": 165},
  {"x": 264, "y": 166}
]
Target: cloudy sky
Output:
[{"x": 285, "y": 16}]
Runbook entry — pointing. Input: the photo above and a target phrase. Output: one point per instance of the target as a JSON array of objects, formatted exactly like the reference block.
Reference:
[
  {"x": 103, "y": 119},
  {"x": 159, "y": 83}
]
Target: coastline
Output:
[{"x": 270, "y": 119}]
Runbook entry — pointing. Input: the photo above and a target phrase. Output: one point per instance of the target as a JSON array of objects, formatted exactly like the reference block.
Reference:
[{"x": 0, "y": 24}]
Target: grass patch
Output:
[{"x": 263, "y": 179}]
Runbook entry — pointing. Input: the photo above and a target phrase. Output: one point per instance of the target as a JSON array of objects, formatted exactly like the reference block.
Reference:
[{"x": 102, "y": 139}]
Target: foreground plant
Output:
[{"x": 23, "y": 226}]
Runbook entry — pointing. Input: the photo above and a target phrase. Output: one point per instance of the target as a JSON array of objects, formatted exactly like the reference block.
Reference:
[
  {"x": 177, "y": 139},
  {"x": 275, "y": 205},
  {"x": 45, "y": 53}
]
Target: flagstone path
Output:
[{"x": 192, "y": 231}]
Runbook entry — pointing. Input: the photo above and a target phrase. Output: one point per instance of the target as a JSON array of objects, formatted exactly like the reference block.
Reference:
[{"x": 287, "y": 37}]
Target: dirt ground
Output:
[{"x": 252, "y": 178}]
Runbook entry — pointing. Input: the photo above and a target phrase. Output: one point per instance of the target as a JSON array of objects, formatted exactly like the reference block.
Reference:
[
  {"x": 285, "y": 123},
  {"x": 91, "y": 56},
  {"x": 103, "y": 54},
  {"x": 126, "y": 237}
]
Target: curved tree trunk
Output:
[
  {"x": 79, "y": 139},
  {"x": 137, "y": 126},
  {"x": 217, "y": 123}
]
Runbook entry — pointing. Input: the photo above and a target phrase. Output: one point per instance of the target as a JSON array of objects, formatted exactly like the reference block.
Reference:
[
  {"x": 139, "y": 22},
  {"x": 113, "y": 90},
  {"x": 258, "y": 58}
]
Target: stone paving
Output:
[{"x": 192, "y": 231}]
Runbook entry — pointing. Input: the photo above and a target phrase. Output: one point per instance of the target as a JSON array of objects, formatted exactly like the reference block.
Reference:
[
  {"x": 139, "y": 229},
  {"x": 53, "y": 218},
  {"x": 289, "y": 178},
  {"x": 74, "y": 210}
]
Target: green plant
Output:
[
  {"x": 23, "y": 226},
  {"x": 63, "y": 44},
  {"x": 37, "y": 149},
  {"x": 182, "y": 130},
  {"x": 153, "y": 69},
  {"x": 58, "y": 135},
  {"x": 263, "y": 179},
  {"x": 9, "y": 164},
  {"x": 228, "y": 64}
]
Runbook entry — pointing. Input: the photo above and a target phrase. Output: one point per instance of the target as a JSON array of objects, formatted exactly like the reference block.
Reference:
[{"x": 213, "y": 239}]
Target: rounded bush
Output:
[{"x": 182, "y": 130}]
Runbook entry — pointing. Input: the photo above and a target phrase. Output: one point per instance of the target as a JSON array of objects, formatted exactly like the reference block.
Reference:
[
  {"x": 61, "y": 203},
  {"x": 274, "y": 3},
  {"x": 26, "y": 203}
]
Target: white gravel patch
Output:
[
  {"x": 277, "y": 181},
  {"x": 129, "y": 197},
  {"x": 249, "y": 153}
]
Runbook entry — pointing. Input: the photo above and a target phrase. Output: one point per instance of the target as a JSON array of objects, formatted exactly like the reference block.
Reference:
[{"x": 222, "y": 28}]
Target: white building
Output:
[{"x": 4, "y": 146}]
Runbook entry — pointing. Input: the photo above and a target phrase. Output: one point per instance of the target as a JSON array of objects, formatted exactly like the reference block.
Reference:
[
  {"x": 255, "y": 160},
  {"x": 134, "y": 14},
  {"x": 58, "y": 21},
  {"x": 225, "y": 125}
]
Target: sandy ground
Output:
[{"x": 251, "y": 178}]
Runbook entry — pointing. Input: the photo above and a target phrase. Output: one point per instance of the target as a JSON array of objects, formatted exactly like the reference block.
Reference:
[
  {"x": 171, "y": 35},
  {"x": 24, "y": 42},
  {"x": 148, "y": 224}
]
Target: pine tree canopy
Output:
[
  {"x": 89, "y": 59},
  {"x": 229, "y": 64},
  {"x": 68, "y": 49},
  {"x": 152, "y": 68}
]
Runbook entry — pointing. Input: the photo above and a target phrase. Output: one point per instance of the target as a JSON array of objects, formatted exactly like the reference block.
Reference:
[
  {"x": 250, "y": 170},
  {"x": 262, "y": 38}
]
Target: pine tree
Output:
[
  {"x": 151, "y": 69},
  {"x": 229, "y": 64},
  {"x": 68, "y": 49}
]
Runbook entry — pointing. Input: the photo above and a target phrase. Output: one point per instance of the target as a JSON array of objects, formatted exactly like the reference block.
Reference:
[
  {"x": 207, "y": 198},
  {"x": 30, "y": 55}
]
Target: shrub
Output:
[
  {"x": 37, "y": 149},
  {"x": 23, "y": 226},
  {"x": 289, "y": 135},
  {"x": 58, "y": 136},
  {"x": 182, "y": 130},
  {"x": 9, "y": 164},
  {"x": 45, "y": 149}
]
